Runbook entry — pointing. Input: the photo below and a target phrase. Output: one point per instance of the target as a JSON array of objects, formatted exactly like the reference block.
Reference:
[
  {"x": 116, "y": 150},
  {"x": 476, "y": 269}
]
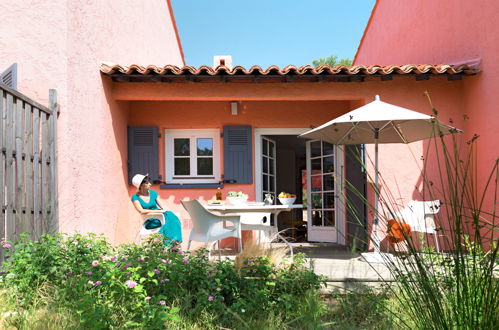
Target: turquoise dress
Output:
[{"x": 172, "y": 230}]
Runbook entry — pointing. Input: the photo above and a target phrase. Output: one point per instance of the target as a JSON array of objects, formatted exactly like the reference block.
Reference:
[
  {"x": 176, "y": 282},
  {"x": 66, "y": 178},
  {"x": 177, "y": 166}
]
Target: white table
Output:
[{"x": 253, "y": 208}]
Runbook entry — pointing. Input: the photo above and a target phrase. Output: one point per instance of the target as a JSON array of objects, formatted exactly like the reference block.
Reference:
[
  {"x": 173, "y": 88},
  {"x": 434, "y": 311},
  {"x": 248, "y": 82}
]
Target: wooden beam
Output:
[
  {"x": 421, "y": 77},
  {"x": 454, "y": 77},
  {"x": 386, "y": 77}
]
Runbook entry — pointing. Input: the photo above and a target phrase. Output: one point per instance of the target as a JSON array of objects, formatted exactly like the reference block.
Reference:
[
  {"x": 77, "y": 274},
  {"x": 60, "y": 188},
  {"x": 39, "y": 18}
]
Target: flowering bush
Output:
[{"x": 148, "y": 285}]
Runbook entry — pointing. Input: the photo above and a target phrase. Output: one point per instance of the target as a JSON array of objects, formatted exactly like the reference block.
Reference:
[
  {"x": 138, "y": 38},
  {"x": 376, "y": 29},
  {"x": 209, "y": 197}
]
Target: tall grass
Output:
[{"x": 458, "y": 288}]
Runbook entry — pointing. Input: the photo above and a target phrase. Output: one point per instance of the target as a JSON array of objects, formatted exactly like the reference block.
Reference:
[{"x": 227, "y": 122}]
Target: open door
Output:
[
  {"x": 268, "y": 167},
  {"x": 325, "y": 182}
]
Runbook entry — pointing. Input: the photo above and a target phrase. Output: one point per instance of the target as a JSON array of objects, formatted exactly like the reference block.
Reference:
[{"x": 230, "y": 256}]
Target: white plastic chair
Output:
[
  {"x": 420, "y": 216},
  {"x": 209, "y": 227},
  {"x": 144, "y": 231}
]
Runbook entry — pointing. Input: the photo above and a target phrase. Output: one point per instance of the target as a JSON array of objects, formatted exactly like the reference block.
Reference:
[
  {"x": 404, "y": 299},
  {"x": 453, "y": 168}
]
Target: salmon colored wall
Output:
[
  {"x": 448, "y": 31},
  {"x": 60, "y": 44}
]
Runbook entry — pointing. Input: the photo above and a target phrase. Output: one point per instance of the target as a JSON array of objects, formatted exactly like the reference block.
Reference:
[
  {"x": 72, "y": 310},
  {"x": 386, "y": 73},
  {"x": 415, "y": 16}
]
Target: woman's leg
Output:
[{"x": 172, "y": 228}]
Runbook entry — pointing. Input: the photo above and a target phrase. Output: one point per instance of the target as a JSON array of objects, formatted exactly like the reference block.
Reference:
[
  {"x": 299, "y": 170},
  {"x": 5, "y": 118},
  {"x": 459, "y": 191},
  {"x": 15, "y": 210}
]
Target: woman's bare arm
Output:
[
  {"x": 141, "y": 210},
  {"x": 161, "y": 206}
]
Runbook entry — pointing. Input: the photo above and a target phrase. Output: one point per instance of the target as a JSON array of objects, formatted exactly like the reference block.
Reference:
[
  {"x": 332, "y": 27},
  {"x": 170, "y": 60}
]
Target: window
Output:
[{"x": 192, "y": 155}]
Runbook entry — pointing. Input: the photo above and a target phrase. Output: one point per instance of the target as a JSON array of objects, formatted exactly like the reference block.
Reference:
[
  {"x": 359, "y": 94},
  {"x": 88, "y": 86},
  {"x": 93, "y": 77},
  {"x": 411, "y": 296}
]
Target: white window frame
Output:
[{"x": 192, "y": 135}]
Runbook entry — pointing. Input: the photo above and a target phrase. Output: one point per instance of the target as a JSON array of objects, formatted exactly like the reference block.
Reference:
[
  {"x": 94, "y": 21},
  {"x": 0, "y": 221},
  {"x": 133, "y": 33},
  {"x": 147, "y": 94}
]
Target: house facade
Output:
[{"x": 198, "y": 130}]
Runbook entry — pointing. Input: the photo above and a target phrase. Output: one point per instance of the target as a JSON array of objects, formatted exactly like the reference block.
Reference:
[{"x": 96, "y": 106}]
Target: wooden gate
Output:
[{"x": 28, "y": 166}]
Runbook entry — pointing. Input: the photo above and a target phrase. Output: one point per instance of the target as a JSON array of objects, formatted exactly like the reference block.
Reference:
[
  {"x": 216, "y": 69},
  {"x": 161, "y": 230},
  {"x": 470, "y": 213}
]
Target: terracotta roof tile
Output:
[{"x": 289, "y": 70}]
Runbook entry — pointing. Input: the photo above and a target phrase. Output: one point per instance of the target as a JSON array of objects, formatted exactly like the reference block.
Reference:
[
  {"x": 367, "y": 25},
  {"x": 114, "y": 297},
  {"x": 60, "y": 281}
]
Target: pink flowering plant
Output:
[{"x": 149, "y": 285}]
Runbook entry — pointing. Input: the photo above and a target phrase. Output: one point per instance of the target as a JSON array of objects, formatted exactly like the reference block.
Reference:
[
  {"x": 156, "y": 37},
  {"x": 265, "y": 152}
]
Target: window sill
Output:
[{"x": 191, "y": 186}]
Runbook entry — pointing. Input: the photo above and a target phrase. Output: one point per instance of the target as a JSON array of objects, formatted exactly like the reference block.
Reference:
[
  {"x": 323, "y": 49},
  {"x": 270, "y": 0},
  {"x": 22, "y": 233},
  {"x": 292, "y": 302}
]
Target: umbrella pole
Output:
[{"x": 376, "y": 194}]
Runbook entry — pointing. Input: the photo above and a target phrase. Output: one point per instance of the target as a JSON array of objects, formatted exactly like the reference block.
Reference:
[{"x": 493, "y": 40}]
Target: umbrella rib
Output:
[
  {"x": 354, "y": 125},
  {"x": 404, "y": 139}
]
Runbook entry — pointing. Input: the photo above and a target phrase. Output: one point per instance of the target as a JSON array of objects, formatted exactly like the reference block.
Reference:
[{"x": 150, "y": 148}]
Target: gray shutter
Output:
[
  {"x": 355, "y": 193},
  {"x": 143, "y": 151},
  {"x": 9, "y": 76},
  {"x": 238, "y": 166}
]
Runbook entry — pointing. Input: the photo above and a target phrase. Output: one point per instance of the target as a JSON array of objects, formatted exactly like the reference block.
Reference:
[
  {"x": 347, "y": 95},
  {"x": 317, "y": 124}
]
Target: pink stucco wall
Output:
[
  {"x": 60, "y": 44},
  {"x": 446, "y": 31}
]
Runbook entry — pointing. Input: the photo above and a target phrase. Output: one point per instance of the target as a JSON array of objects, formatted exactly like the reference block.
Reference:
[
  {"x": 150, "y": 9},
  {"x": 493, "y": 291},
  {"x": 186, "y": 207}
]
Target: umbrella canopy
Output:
[{"x": 394, "y": 125}]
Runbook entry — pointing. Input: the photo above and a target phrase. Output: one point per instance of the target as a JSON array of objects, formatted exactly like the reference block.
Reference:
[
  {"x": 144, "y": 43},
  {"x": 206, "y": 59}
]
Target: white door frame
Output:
[{"x": 258, "y": 132}]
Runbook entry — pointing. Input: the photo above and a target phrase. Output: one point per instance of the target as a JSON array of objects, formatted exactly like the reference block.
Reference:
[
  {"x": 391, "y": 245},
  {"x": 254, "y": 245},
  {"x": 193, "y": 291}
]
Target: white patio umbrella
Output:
[{"x": 378, "y": 122}]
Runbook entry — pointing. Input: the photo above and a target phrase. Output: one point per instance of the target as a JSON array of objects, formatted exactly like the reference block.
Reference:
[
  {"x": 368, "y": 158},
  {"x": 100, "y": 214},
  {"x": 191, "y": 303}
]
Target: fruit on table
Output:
[
  {"x": 236, "y": 194},
  {"x": 286, "y": 195}
]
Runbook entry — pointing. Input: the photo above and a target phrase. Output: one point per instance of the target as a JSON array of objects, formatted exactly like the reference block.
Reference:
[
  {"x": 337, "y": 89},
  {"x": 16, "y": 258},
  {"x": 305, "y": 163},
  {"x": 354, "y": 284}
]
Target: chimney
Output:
[{"x": 225, "y": 60}]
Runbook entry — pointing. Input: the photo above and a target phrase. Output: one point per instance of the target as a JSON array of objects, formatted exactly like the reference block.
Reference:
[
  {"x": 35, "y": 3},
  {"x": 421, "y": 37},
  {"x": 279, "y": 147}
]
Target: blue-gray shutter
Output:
[
  {"x": 143, "y": 151},
  {"x": 238, "y": 162},
  {"x": 9, "y": 76},
  {"x": 356, "y": 194}
]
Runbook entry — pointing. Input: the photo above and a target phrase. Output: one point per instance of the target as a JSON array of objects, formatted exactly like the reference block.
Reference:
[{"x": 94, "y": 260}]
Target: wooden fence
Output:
[{"x": 28, "y": 166}]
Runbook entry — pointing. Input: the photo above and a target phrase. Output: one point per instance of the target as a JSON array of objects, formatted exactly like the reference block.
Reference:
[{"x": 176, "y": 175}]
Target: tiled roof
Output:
[{"x": 204, "y": 71}]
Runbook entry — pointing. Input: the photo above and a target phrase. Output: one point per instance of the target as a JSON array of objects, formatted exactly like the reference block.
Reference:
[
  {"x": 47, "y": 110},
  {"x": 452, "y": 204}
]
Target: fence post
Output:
[{"x": 53, "y": 188}]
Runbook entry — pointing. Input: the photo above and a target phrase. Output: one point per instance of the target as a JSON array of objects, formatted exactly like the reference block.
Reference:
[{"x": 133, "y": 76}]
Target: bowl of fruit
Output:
[
  {"x": 237, "y": 198},
  {"x": 286, "y": 198}
]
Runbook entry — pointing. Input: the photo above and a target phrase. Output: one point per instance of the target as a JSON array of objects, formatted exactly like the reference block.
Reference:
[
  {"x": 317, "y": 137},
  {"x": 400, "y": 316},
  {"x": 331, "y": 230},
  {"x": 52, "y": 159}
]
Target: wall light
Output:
[{"x": 233, "y": 108}]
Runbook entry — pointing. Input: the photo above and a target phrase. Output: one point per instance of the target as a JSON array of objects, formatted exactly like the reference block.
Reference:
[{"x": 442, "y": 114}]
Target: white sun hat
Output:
[{"x": 138, "y": 179}]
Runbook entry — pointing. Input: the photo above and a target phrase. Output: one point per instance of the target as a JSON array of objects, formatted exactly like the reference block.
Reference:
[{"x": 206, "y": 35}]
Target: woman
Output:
[{"x": 146, "y": 201}]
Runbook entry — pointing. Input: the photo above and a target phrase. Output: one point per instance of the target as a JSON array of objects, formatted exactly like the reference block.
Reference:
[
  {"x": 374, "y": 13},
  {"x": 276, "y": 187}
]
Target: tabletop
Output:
[{"x": 253, "y": 208}]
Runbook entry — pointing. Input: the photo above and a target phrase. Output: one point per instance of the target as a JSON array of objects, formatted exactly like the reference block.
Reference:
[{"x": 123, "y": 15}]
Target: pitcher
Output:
[{"x": 269, "y": 199}]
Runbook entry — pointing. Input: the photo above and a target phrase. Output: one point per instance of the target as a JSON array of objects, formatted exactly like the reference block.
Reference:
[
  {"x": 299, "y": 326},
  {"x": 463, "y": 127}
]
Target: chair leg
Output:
[
  {"x": 240, "y": 244},
  {"x": 219, "y": 251},
  {"x": 209, "y": 250},
  {"x": 436, "y": 241},
  {"x": 189, "y": 245}
]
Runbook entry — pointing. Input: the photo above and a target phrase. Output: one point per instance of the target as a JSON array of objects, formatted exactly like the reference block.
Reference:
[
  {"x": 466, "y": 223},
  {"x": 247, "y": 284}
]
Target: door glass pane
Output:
[
  {"x": 316, "y": 183},
  {"x": 271, "y": 183},
  {"x": 182, "y": 166},
  {"x": 205, "y": 166},
  {"x": 265, "y": 182},
  {"x": 328, "y": 164},
  {"x": 271, "y": 149},
  {"x": 265, "y": 147},
  {"x": 265, "y": 165},
  {"x": 271, "y": 166},
  {"x": 316, "y": 164},
  {"x": 328, "y": 181},
  {"x": 329, "y": 200},
  {"x": 317, "y": 201},
  {"x": 328, "y": 148},
  {"x": 329, "y": 218},
  {"x": 315, "y": 149},
  {"x": 205, "y": 147},
  {"x": 316, "y": 218},
  {"x": 181, "y": 147}
]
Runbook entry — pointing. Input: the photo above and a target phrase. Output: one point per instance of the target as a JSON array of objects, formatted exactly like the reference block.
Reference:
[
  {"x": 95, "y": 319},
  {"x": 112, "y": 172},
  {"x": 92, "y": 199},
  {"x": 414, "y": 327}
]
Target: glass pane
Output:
[
  {"x": 265, "y": 181},
  {"x": 265, "y": 165},
  {"x": 328, "y": 164},
  {"x": 317, "y": 201},
  {"x": 329, "y": 218},
  {"x": 328, "y": 181},
  {"x": 271, "y": 183},
  {"x": 316, "y": 183},
  {"x": 329, "y": 200},
  {"x": 271, "y": 149},
  {"x": 327, "y": 149},
  {"x": 181, "y": 147},
  {"x": 316, "y": 218},
  {"x": 205, "y": 166},
  {"x": 271, "y": 166},
  {"x": 265, "y": 147},
  {"x": 182, "y": 166},
  {"x": 205, "y": 147},
  {"x": 315, "y": 149},
  {"x": 316, "y": 164}
]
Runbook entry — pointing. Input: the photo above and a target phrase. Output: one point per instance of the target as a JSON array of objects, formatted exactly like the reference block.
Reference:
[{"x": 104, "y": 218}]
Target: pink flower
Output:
[
  {"x": 113, "y": 258},
  {"x": 147, "y": 298},
  {"x": 95, "y": 263},
  {"x": 210, "y": 298},
  {"x": 156, "y": 271},
  {"x": 88, "y": 273},
  {"x": 7, "y": 246},
  {"x": 123, "y": 258},
  {"x": 147, "y": 249},
  {"x": 141, "y": 259},
  {"x": 165, "y": 261},
  {"x": 185, "y": 260},
  {"x": 90, "y": 282},
  {"x": 131, "y": 284},
  {"x": 97, "y": 283},
  {"x": 162, "y": 302},
  {"x": 180, "y": 252}
]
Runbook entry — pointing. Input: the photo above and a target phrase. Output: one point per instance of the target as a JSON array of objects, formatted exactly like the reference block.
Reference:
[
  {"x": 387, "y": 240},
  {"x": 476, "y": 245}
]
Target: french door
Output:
[
  {"x": 268, "y": 167},
  {"x": 325, "y": 202}
]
